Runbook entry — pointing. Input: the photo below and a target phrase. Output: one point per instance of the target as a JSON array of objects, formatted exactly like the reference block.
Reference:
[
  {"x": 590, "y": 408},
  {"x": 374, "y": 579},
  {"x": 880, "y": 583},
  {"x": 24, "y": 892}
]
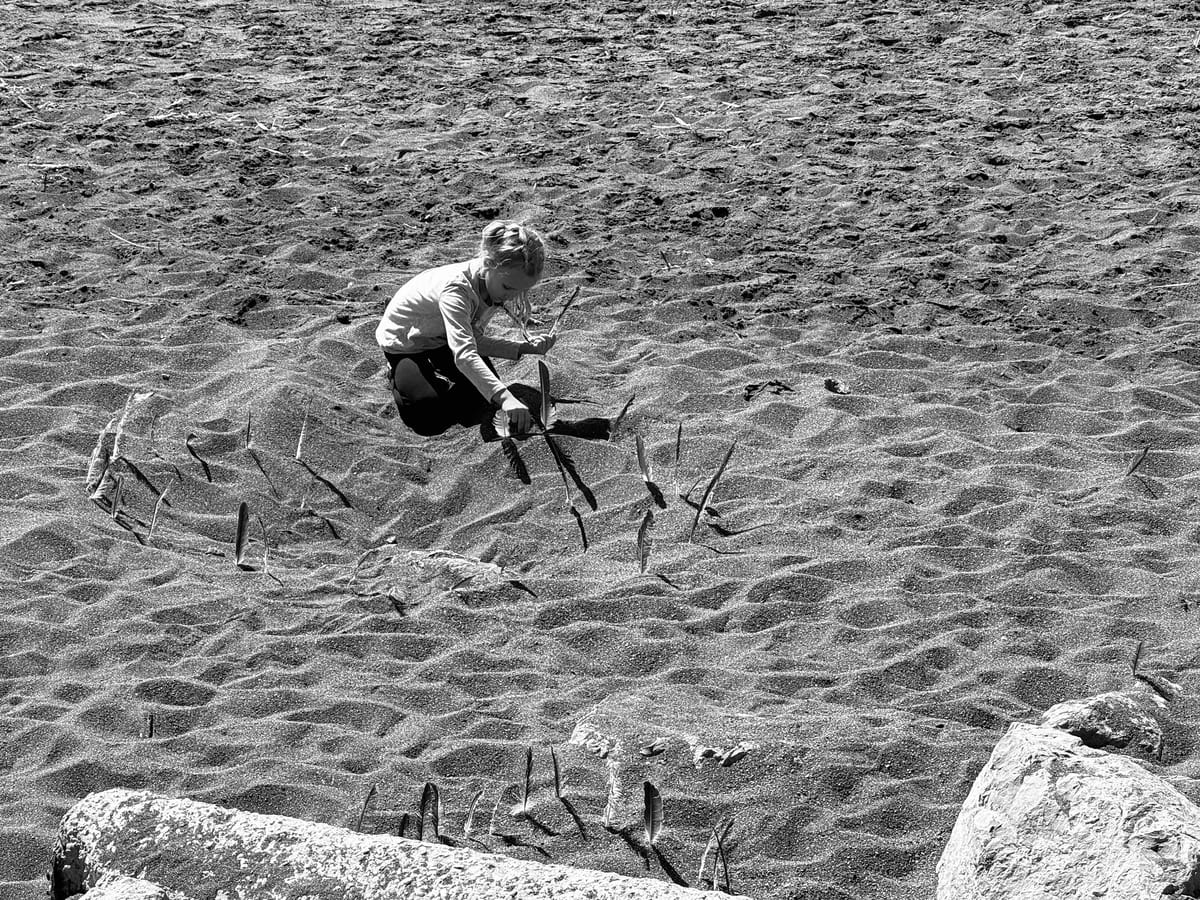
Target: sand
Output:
[{"x": 982, "y": 220}]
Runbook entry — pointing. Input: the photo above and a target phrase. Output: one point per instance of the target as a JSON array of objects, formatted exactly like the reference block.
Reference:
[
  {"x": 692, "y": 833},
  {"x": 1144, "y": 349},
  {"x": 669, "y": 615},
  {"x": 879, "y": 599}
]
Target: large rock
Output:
[
  {"x": 195, "y": 850},
  {"x": 124, "y": 887},
  {"x": 1051, "y": 818},
  {"x": 1119, "y": 719}
]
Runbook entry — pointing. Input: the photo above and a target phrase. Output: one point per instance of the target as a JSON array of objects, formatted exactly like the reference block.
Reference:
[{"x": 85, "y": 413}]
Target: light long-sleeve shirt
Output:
[{"x": 444, "y": 307}]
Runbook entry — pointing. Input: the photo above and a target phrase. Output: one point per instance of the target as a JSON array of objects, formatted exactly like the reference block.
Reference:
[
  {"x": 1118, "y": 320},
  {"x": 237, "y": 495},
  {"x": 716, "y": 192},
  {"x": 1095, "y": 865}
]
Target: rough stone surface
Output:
[
  {"x": 1051, "y": 818},
  {"x": 124, "y": 887},
  {"x": 200, "y": 850},
  {"x": 1120, "y": 719}
]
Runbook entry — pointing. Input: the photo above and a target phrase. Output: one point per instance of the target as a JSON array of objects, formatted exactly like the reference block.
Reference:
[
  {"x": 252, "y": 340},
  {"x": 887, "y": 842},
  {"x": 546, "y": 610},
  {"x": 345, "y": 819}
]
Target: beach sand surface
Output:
[{"x": 930, "y": 270}]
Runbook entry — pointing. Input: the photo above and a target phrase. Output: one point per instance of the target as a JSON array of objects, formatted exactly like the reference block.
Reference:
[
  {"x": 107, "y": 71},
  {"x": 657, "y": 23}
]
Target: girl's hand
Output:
[
  {"x": 520, "y": 421},
  {"x": 540, "y": 344}
]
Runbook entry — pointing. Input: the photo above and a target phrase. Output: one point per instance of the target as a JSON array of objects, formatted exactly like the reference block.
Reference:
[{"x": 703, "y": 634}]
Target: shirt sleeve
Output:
[
  {"x": 501, "y": 347},
  {"x": 457, "y": 306}
]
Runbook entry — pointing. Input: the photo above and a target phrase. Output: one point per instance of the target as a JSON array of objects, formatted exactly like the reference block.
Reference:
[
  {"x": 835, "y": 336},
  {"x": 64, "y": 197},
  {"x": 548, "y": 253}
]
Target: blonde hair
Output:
[{"x": 510, "y": 244}]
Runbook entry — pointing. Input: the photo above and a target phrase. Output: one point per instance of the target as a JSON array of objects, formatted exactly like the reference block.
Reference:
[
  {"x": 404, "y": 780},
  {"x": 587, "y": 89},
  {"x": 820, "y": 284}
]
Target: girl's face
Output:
[{"x": 505, "y": 283}]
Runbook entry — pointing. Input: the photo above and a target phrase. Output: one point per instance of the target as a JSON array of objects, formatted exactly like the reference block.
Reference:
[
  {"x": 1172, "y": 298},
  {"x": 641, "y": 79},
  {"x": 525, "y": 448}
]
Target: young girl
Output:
[{"x": 432, "y": 333}]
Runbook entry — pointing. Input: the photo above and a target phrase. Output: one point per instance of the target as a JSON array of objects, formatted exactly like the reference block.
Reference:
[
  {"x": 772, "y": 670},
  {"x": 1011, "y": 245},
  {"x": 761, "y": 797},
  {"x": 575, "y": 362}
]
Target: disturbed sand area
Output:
[{"x": 983, "y": 219}]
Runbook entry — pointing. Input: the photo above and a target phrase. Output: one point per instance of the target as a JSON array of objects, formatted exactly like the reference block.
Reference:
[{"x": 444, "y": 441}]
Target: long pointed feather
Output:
[
  {"x": 544, "y": 384},
  {"x": 643, "y": 540},
  {"x": 241, "y": 536},
  {"x": 429, "y": 811},
  {"x": 528, "y": 780},
  {"x": 303, "y": 428},
  {"x": 723, "y": 857},
  {"x": 154, "y": 517},
  {"x": 641, "y": 458},
  {"x": 116, "y": 497},
  {"x": 470, "y": 820},
  {"x": 101, "y": 456},
  {"x": 652, "y": 812},
  {"x": 367, "y": 802},
  {"x": 558, "y": 781},
  {"x": 616, "y": 423},
  {"x": 708, "y": 490},
  {"x": 562, "y": 312},
  {"x": 192, "y": 450}
]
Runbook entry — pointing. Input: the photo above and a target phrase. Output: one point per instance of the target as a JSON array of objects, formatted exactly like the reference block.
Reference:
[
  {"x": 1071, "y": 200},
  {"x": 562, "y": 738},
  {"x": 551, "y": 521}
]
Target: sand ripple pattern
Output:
[{"x": 982, "y": 220}]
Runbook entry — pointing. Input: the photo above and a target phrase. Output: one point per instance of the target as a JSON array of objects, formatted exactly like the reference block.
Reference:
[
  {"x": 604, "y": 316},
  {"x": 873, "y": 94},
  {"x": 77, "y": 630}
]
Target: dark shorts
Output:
[{"x": 432, "y": 394}]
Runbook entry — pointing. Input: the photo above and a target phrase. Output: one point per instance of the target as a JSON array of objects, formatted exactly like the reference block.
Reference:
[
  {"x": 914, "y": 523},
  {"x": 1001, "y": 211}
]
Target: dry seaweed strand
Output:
[{"x": 708, "y": 490}]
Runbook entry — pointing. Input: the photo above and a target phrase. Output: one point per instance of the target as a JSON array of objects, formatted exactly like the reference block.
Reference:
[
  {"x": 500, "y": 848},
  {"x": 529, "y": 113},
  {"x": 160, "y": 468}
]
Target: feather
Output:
[
  {"x": 241, "y": 536},
  {"x": 708, "y": 490},
  {"x": 643, "y": 540},
  {"x": 616, "y": 423},
  {"x": 641, "y": 458},
  {"x": 471, "y": 814},
  {"x": 528, "y": 781},
  {"x": 544, "y": 383},
  {"x": 562, "y": 312},
  {"x": 653, "y": 812},
  {"x": 558, "y": 781},
  {"x": 431, "y": 808}
]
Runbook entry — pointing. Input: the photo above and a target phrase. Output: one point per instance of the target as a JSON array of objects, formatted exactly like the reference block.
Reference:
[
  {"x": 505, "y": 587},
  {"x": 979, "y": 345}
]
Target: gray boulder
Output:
[
  {"x": 1125, "y": 720},
  {"x": 1048, "y": 817},
  {"x": 196, "y": 850}
]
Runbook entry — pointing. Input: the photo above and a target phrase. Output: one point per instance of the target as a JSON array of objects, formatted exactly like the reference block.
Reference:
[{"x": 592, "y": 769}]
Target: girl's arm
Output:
[{"x": 456, "y": 306}]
